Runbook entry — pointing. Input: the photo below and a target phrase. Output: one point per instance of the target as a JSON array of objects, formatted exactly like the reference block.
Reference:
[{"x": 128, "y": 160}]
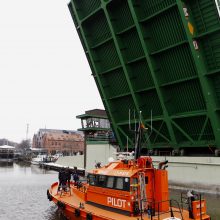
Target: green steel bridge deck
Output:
[{"x": 155, "y": 55}]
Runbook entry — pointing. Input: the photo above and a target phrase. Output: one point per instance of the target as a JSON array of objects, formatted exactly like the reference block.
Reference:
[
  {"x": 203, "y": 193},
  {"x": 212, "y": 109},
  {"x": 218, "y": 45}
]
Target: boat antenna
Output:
[
  {"x": 151, "y": 126},
  {"x": 171, "y": 212},
  {"x": 138, "y": 137},
  {"x": 27, "y": 130},
  {"x": 127, "y": 144},
  {"x": 151, "y": 121},
  {"x": 135, "y": 127},
  {"x": 129, "y": 118}
]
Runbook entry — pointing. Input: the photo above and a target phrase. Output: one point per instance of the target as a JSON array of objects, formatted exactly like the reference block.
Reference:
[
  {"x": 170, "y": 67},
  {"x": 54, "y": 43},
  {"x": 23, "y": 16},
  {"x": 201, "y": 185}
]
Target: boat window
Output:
[
  {"x": 110, "y": 182},
  {"x": 134, "y": 181},
  {"x": 126, "y": 184},
  {"x": 91, "y": 179},
  {"x": 119, "y": 183},
  {"x": 122, "y": 183},
  {"x": 101, "y": 180},
  {"x": 146, "y": 179}
]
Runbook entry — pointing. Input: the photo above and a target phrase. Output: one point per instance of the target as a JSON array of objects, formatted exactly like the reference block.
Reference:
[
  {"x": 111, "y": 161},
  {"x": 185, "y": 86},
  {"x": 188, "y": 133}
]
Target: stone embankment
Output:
[{"x": 198, "y": 173}]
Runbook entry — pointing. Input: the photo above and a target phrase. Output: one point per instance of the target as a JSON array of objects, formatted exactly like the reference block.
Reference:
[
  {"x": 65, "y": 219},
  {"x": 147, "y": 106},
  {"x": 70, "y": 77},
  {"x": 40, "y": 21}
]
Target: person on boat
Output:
[
  {"x": 61, "y": 177},
  {"x": 64, "y": 177},
  {"x": 192, "y": 196},
  {"x": 68, "y": 176},
  {"x": 98, "y": 165},
  {"x": 74, "y": 170},
  {"x": 75, "y": 178}
]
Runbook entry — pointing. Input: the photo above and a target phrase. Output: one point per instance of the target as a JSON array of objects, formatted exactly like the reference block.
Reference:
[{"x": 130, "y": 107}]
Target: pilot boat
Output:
[{"x": 126, "y": 189}]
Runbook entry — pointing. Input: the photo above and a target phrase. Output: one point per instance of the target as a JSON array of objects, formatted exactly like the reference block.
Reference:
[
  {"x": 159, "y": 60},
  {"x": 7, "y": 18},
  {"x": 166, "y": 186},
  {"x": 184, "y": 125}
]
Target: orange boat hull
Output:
[{"x": 73, "y": 206}]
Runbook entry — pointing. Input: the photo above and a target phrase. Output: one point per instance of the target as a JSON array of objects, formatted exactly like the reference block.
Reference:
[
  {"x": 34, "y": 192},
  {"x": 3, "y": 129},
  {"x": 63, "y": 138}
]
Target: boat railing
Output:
[
  {"x": 81, "y": 187},
  {"x": 187, "y": 200},
  {"x": 100, "y": 137},
  {"x": 184, "y": 201},
  {"x": 173, "y": 204}
]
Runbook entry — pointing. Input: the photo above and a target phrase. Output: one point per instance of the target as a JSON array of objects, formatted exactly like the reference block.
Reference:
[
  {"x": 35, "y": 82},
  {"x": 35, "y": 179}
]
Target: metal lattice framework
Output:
[{"x": 161, "y": 56}]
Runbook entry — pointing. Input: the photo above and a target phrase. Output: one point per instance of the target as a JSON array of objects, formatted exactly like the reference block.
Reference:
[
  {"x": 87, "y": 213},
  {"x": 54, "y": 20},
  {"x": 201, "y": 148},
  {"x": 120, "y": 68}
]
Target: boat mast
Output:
[{"x": 138, "y": 141}]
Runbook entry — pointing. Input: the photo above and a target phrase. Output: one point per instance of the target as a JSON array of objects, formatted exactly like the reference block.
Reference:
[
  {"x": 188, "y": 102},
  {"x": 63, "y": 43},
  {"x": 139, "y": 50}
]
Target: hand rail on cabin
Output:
[{"x": 171, "y": 211}]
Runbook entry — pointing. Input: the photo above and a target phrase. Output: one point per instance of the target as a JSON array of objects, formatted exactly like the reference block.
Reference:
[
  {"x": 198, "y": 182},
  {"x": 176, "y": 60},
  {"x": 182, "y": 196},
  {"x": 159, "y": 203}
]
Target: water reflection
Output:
[
  {"x": 23, "y": 193},
  {"x": 6, "y": 164}
]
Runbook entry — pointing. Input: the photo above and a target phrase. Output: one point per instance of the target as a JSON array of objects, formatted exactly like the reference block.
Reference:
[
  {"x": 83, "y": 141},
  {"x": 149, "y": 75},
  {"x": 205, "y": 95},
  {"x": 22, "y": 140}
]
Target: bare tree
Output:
[{"x": 25, "y": 144}]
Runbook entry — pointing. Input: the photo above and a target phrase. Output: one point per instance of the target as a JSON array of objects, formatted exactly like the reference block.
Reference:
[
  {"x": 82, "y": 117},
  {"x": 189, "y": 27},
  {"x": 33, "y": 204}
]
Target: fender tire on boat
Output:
[
  {"x": 48, "y": 192},
  {"x": 49, "y": 196},
  {"x": 77, "y": 212},
  {"x": 89, "y": 216},
  {"x": 61, "y": 205}
]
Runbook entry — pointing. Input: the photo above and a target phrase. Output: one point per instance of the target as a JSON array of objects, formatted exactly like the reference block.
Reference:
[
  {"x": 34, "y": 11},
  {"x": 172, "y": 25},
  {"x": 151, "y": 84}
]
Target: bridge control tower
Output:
[{"x": 100, "y": 143}]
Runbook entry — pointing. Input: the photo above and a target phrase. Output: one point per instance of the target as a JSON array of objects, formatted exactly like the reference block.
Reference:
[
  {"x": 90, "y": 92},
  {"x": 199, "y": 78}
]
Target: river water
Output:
[{"x": 23, "y": 194}]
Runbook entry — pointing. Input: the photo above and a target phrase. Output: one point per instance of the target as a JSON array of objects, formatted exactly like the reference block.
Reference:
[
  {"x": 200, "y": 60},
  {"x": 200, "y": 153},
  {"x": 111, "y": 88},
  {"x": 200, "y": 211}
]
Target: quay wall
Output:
[
  {"x": 98, "y": 152},
  {"x": 197, "y": 173},
  {"x": 71, "y": 161}
]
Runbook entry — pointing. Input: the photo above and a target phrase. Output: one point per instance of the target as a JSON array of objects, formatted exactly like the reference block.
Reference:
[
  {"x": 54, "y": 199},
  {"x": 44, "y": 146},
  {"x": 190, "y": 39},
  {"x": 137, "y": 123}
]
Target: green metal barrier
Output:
[{"x": 161, "y": 56}]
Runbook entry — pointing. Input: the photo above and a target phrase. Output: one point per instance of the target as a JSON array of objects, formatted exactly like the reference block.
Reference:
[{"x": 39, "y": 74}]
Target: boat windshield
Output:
[{"x": 111, "y": 182}]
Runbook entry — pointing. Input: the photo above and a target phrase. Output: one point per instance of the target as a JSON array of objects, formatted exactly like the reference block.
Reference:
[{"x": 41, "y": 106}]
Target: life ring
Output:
[
  {"x": 77, "y": 212},
  {"x": 89, "y": 216}
]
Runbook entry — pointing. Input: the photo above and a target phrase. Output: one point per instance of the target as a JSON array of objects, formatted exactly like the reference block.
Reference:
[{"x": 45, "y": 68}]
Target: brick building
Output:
[{"x": 65, "y": 141}]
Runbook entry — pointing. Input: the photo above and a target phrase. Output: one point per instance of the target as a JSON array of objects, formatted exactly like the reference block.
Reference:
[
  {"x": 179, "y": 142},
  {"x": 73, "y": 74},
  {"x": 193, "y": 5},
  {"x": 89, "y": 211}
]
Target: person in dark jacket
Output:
[
  {"x": 61, "y": 177},
  {"x": 68, "y": 176},
  {"x": 75, "y": 175}
]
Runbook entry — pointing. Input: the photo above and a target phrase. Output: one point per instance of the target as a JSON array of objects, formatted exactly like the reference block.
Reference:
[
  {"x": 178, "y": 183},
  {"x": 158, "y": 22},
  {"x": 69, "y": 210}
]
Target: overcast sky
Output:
[{"x": 45, "y": 78}]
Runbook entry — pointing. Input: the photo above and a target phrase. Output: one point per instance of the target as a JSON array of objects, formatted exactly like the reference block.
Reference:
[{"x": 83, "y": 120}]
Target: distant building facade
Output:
[{"x": 63, "y": 141}]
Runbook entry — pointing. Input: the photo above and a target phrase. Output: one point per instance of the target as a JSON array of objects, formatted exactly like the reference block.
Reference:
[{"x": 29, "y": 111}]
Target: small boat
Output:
[
  {"x": 7, "y": 154},
  {"x": 39, "y": 159},
  {"x": 126, "y": 189}
]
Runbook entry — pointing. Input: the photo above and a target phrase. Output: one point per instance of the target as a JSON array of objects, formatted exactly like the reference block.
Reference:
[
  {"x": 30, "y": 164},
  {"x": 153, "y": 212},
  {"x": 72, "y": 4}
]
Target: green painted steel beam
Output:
[
  {"x": 121, "y": 58},
  {"x": 183, "y": 132},
  {"x": 198, "y": 58},
  {"x": 97, "y": 79},
  {"x": 203, "y": 128},
  {"x": 160, "y": 55},
  {"x": 152, "y": 66}
]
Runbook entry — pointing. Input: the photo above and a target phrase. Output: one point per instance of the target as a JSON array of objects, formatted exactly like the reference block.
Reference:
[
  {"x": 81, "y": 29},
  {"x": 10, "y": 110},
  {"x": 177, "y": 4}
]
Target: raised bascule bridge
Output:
[{"x": 159, "y": 61}]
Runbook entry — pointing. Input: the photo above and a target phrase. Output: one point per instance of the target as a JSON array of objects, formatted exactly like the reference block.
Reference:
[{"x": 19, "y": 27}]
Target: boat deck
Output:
[{"x": 77, "y": 198}]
